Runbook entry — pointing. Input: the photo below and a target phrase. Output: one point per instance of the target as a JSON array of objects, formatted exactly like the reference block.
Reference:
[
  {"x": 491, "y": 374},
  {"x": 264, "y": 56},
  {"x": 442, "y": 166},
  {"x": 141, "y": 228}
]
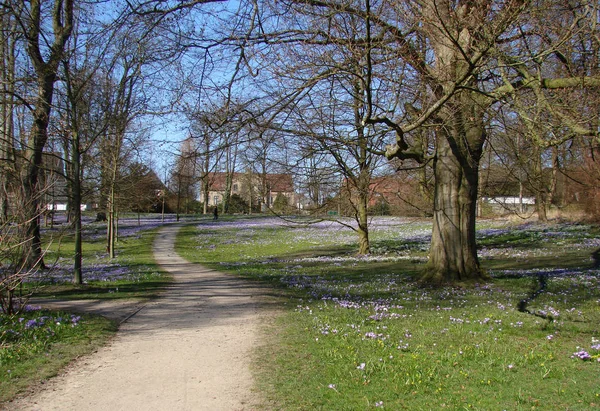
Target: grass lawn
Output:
[
  {"x": 361, "y": 332},
  {"x": 36, "y": 344}
]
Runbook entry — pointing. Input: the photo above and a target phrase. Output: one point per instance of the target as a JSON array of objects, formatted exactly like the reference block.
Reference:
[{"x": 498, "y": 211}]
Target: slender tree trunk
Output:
[
  {"x": 76, "y": 209},
  {"x": 364, "y": 247},
  {"x": 552, "y": 192},
  {"x": 111, "y": 232},
  {"x": 7, "y": 67},
  {"x": 73, "y": 173},
  {"x": 227, "y": 193},
  {"x": 31, "y": 193},
  {"x": 111, "y": 225},
  {"x": 539, "y": 185},
  {"x": 206, "y": 193},
  {"x": 179, "y": 182}
]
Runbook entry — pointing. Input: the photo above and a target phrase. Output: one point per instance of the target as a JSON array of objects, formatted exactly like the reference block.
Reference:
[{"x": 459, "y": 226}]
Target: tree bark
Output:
[
  {"x": 7, "y": 67},
  {"x": 31, "y": 193},
  {"x": 76, "y": 210},
  {"x": 453, "y": 252},
  {"x": 453, "y": 255},
  {"x": 364, "y": 247}
]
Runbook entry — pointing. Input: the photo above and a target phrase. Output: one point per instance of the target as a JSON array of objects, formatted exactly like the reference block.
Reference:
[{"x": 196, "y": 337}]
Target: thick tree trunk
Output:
[
  {"x": 361, "y": 209},
  {"x": 453, "y": 254},
  {"x": 539, "y": 184},
  {"x": 541, "y": 205}
]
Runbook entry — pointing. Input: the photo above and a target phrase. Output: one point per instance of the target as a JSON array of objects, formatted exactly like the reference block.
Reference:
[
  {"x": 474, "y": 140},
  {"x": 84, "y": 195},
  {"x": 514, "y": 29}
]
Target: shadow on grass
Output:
[
  {"x": 316, "y": 279},
  {"x": 144, "y": 286},
  {"x": 110, "y": 291},
  {"x": 330, "y": 251}
]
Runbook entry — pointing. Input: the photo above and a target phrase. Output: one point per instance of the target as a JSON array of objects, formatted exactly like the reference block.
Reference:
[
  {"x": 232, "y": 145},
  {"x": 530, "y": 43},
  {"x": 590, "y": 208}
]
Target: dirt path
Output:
[{"x": 189, "y": 350}]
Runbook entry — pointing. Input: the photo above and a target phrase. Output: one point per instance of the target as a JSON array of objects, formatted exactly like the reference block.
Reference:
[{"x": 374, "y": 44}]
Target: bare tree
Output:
[
  {"x": 8, "y": 50},
  {"x": 46, "y": 32},
  {"x": 453, "y": 62},
  {"x": 206, "y": 132},
  {"x": 83, "y": 121},
  {"x": 13, "y": 298}
]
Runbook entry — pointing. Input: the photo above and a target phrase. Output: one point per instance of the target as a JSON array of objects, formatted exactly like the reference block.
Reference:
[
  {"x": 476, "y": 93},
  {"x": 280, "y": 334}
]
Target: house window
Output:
[
  {"x": 216, "y": 200},
  {"x": 235, "y": 188}
]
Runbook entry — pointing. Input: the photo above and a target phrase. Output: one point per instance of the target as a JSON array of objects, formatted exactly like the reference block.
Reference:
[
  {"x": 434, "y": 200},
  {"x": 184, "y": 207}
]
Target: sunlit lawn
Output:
[{"x": 361, "y": 332}]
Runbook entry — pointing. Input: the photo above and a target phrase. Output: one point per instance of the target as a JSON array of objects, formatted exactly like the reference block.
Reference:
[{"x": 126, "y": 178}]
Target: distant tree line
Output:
[{"x": 459, "y": 100}]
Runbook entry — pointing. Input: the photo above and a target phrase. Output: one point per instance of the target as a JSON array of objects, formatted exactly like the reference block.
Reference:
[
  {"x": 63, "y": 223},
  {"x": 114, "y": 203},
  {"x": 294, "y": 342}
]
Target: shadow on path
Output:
[{"x": 190, "y": 349}]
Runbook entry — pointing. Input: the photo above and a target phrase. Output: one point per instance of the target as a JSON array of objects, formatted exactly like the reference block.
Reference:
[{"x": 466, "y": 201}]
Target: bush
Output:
[{"x": 281, "y": 204}]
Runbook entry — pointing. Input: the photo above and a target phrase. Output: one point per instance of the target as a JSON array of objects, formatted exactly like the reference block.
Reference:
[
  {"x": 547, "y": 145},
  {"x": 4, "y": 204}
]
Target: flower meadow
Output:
[
  {"x": 35, "y": 343},
  {"x": 38, "y": 328},
  {"x": 361, "y": 332},
  {"x": 133, "y": 267}
]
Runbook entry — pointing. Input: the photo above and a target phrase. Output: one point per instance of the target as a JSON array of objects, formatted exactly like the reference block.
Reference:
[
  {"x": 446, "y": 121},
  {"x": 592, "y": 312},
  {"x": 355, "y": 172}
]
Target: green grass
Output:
[{"x": 362, "y": 333}]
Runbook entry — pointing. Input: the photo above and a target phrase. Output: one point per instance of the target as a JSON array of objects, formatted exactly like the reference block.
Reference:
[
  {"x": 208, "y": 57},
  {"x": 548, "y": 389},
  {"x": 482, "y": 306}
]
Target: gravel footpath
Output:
[{"x": 188, "y": 350}]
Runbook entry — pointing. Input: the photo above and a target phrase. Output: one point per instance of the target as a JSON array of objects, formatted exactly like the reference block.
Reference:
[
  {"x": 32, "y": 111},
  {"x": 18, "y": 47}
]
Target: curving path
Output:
[{"x": 188, "y": 350}]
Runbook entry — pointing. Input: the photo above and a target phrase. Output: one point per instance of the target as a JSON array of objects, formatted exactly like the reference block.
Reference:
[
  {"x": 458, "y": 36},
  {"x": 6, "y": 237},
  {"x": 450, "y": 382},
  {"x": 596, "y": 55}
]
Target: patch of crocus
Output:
[
  {"x": 582, "y": 355},
  {"x": 32, "y": 324}
]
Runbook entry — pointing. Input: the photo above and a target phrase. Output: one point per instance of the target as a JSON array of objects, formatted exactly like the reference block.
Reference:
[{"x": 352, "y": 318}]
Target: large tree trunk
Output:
[
  {"x": 453, "y": 253},
  {"x": 361, "y": 209}
]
